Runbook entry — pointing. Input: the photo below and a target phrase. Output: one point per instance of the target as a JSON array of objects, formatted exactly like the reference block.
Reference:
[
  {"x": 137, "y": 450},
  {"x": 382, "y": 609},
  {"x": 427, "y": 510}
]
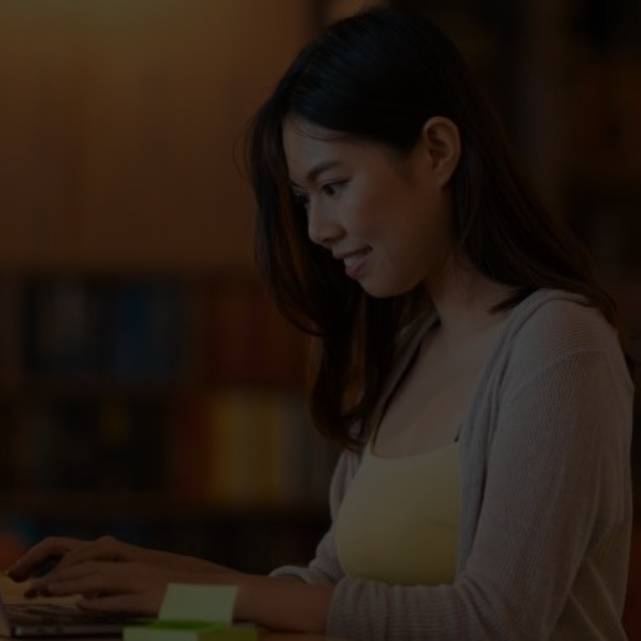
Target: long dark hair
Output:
[{"x": 379, "y": 76}]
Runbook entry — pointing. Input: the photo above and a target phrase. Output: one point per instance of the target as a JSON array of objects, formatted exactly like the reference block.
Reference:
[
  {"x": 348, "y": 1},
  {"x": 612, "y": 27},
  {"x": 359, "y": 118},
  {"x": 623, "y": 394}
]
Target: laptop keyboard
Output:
[{"x": 55, "y": 615}]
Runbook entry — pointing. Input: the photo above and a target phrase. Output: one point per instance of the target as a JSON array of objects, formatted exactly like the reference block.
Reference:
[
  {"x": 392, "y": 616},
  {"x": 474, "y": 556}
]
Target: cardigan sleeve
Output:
[{"x": 552, "y": 492}]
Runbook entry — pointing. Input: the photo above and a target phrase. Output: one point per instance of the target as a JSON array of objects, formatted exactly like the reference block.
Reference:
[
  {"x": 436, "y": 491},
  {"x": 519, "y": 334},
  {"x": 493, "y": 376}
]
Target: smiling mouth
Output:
[
  {"x": 354, "y": 262},
  {"x": 356, "y": 256}
]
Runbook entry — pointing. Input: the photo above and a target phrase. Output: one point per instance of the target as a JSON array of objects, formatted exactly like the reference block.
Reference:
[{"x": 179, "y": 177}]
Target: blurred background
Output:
[{"x": 148, "y": 388}]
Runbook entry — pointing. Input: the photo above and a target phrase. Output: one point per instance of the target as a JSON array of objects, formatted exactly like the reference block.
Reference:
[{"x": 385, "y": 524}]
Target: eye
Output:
[{"x": 330, "y": 189}]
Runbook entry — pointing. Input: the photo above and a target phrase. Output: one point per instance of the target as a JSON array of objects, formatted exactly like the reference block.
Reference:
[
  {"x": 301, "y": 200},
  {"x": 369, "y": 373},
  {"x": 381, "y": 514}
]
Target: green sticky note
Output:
[
  {"x": 188, "y": 602},
  {"x": 195, "y": 613}
]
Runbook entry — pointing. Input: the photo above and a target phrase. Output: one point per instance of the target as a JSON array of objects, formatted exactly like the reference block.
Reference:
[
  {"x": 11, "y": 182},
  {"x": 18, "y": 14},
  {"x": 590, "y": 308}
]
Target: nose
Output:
[{"x": 322, "y": 226}]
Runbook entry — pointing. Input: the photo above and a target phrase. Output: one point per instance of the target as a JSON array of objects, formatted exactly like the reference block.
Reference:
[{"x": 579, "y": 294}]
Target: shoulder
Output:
[{"x": 554, "y": 324}]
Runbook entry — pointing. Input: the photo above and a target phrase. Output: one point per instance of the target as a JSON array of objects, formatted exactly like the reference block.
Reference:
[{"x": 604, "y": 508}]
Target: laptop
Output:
[{"x": 22, "y": 620}]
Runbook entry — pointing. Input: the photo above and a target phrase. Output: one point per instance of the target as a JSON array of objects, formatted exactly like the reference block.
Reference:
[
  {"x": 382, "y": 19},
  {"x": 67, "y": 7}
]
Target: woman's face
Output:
[{"x": 386, "y": 219}]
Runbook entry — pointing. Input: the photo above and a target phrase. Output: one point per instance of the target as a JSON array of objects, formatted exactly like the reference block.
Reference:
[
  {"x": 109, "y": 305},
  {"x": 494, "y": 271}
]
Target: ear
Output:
[{"x": 442, "y": 142}]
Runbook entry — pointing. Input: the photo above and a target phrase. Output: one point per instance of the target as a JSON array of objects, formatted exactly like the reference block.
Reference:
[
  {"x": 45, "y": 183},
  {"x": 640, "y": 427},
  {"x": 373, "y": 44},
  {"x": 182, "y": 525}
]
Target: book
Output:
[
  {"x": 148, "y": 330},
  {"x": 188, "y": 455},
  {"x": 235, "y": 449}
]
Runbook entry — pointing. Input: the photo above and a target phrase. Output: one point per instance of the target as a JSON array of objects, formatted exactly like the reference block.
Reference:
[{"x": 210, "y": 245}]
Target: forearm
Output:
[
  {"x": 182, "y": 562},
  {"x": 283, "y": 603}
]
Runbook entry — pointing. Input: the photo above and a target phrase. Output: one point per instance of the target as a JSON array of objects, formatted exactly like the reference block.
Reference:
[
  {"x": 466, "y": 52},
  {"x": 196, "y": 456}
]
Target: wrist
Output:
[
  {"x": 290, "y": 606},
  {"x": 249, "y": 589}
]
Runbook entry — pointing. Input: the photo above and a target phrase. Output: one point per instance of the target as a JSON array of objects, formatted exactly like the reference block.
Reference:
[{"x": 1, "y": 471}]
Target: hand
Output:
[
  {"x": 112, "y": 575},
  {"x": 69, "y": 552},
  {"x": 128, "y": 587}
]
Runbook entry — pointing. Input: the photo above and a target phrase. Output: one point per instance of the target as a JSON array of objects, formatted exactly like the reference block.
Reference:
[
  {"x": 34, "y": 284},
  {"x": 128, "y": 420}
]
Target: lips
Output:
[
  {"x": 351, "y": 259},
  {"x": 356, "y": 252},
  {"x": 355, "y": 261}
]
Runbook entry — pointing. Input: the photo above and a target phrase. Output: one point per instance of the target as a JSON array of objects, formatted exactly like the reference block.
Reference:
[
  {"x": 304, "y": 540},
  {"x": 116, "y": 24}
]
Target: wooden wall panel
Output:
[{"x": 119, "y": 126}]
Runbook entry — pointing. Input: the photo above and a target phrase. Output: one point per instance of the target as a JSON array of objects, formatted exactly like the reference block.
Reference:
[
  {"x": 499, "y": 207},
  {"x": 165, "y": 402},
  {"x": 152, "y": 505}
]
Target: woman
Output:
[{"x": 469, "y": 364}]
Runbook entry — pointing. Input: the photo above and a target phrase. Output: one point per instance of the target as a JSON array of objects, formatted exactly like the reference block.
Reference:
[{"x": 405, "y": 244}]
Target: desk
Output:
[
  {"x": 274, "y": 636},
  {"x": 299, "y": 637}
]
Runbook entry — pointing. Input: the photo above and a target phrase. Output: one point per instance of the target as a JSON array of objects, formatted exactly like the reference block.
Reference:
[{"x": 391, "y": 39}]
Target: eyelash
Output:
[{"x": 301, "y": 199}]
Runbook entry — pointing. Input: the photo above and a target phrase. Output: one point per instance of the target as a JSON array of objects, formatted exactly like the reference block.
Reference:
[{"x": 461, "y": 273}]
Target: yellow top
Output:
[{"x": 399, "y": 520}]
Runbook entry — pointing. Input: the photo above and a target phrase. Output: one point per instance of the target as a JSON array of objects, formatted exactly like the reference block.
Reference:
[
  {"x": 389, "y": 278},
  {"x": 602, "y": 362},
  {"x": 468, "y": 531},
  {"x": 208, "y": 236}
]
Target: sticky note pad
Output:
[
  {"x": 189, "y": 602},
  {"x": 195, "y": 612}
]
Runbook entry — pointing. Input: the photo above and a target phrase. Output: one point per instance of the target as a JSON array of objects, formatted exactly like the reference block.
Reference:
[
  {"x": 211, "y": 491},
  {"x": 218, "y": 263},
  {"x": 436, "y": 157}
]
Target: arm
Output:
[
  {"x": 65, "y": 552},
  {"x": 134, "y": 578},
  {"x": 284, "y": 604},
  {"x": 557, "y": 449}
]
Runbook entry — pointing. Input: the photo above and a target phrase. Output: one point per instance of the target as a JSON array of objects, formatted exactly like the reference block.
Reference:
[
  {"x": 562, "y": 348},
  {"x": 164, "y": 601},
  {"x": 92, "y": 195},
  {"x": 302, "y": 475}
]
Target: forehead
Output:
[
  {"x": 306, "y": 145},
  {"x": 302, "y": 136},
  {"x": 309, "y": 147}
]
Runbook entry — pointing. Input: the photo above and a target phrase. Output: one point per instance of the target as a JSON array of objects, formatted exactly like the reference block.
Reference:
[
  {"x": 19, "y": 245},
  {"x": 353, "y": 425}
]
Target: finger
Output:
[
  {"x": 118, "y": 575},
  {"x": 144, "y": 605},
  {"x": 87, "y": 585},
  {"x": 25, "y": 566},
  {"x": 60, "y": 575},
  {"x": 104, "y": 581},
  {"x": 105, "y": 548}
]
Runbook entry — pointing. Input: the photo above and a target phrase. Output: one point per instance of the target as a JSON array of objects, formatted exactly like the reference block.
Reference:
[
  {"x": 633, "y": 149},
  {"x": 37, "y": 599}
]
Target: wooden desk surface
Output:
[
  {"x": 299, "y": 637},
  {"x": 272, "y": 636}
]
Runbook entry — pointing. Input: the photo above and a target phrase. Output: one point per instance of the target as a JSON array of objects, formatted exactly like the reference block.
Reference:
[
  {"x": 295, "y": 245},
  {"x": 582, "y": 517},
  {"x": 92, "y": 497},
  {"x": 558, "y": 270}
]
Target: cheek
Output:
[
  {"x": 411, "y": 240},
  {"x": 371, "y": 212}
]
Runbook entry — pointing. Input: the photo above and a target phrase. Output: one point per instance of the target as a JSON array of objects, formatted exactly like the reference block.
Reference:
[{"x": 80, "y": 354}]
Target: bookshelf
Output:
[
  {"x": 155, "y": 400},
  {"x": 148, "y": 388}
]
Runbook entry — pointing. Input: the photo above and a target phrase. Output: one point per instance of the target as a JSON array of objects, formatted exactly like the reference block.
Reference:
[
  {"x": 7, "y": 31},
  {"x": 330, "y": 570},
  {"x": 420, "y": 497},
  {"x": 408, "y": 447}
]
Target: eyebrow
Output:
[{"x": 313, "y": 173}]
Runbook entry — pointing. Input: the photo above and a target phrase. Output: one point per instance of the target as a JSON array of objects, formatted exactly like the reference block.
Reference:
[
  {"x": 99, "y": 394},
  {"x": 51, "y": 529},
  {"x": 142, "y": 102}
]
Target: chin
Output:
[{"x": 386, "y": 290}]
